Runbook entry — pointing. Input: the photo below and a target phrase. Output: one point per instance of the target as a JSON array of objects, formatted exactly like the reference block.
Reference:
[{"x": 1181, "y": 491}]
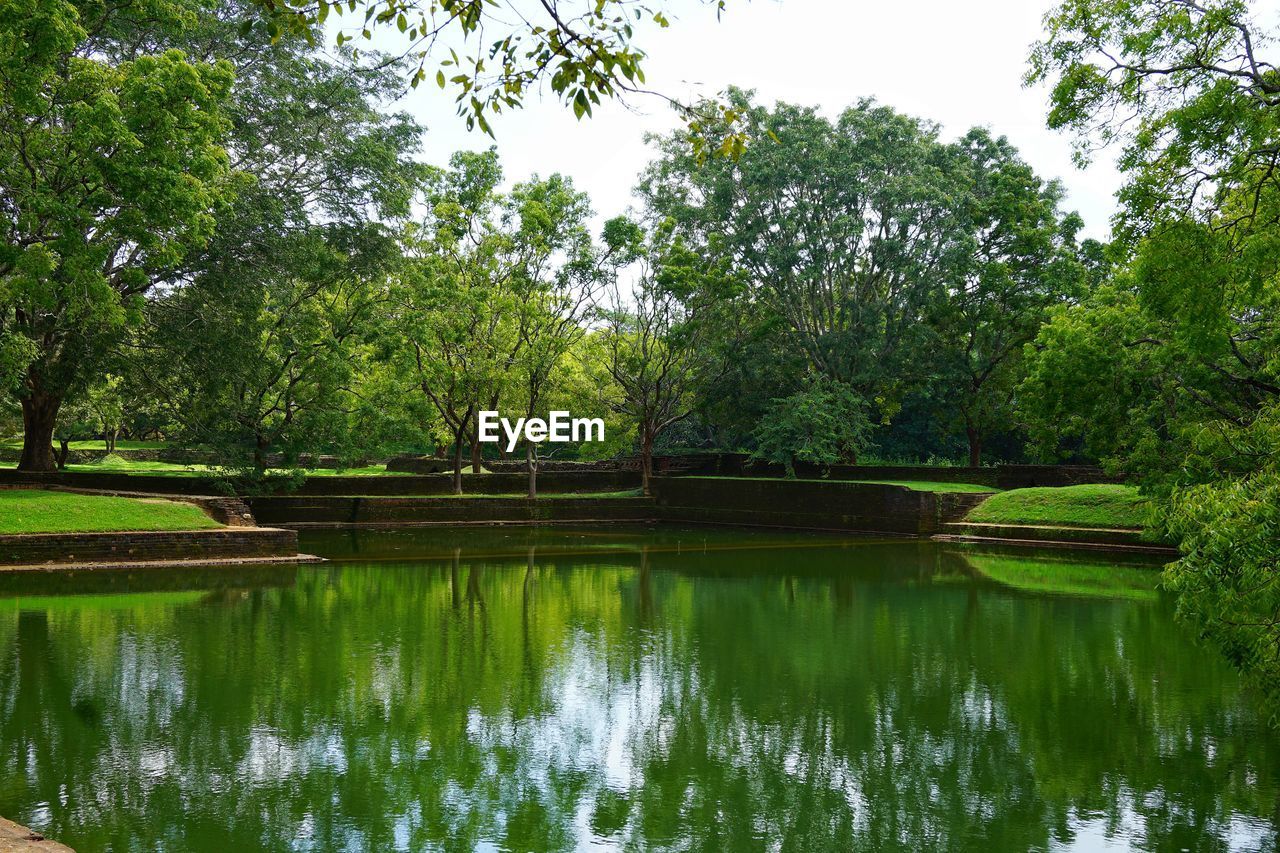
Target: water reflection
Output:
[{"x": 537, "y": 690}]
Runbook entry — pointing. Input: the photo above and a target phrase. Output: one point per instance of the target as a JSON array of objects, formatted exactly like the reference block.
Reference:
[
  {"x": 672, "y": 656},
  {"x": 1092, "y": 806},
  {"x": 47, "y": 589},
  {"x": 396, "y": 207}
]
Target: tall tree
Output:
[
  {"x": 297, "y": 259},
  {"x": 452, "y": 330},
  {"x": 1186, "y": 90},
  {"x": 655, "y": 335},
  {"x": 251, "y": 365},
  {"x": 110, "y": 174},
  {"x": 1021, "y": 259},
  {"x": 843, "y": 232},
  {"x": 555, "y": 291}
]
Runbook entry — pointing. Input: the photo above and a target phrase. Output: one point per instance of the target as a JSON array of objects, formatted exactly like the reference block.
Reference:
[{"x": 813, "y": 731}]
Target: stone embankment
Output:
[
  {"x": 15, "y": 838},
  {"x": 1052, "y": 536},
  {"x": 239, "y": 541}
]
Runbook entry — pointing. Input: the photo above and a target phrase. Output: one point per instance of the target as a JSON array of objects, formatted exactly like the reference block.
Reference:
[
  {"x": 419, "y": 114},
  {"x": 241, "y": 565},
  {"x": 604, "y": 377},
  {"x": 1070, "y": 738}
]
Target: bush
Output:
[{"x": 824, "y": 423}]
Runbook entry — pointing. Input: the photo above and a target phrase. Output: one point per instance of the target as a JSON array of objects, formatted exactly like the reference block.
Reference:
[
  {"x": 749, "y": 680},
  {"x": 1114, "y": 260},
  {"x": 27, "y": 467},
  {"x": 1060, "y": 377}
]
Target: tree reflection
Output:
[{"x": 868, "y": 696}]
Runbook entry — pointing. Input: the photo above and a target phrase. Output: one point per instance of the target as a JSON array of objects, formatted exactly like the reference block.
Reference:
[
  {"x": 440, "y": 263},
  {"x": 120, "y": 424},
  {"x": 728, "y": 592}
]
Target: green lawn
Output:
[
  {"x": 1095, "y": 505},
  {"x": 629, "y": 493},
  {"x": 917, "y": 485},
  {"x": 39, "y": 511},
  {"x": 931, "y": 486},
  {"x": 128, "y": 466},
  {"x": 99, "y": 444}
]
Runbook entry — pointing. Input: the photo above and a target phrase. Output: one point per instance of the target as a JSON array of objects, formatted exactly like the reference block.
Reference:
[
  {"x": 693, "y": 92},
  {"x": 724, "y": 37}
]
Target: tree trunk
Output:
[
  {"x": 457, "y": 460},
  {"x": 975, "y": 446},
  {"x": 39, "y": 414},
  {"x": 531, "y": 463},
  {"x": 476, "y": 460},
  {"x": 646, "y": 461},
  {"x": 111, "y": 437},
  {"x": 260, "y": 454},
  {"x": 64, "y": 450}
]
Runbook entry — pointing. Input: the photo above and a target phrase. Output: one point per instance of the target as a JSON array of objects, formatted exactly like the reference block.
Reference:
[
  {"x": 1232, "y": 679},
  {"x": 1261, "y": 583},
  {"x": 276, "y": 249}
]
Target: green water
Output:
[{"x": 623, "y": 688}]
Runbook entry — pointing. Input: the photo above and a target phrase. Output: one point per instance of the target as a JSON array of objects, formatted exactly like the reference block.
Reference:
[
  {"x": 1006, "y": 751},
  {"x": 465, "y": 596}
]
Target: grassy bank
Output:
[
  {"x": 1093, "y": 505},
  {"x": 932, "y": 486},
  {"x": 39, "y": 511},
  {"x": 915, "y": 485},
  {"x": 173, "y": 469}
]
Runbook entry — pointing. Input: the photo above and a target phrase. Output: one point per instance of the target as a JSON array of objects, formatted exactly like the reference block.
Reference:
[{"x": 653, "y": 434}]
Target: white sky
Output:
[{"x": 958, "y": 64}]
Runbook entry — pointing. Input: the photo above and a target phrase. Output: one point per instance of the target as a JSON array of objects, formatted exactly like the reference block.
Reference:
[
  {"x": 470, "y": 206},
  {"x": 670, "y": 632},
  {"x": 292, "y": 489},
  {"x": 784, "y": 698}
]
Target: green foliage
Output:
[
  {"x": 263, "y": 348},
  {"x": 1228, "y": 524},
  {"x": 585, "y": 51},
  {"x": 111, "y": 173},
  {"x": 824, "y": 423},
  {"x": 1180, "y": 359},
  {"x": 1182, "y": 87},
  {"x": 853, "y": 246},
  {"x": 656, "y": 343},
  {"x": 36, "y": 511},
  {"x": 279, "y": 352},
  {"x": 1091, "y": 505}
]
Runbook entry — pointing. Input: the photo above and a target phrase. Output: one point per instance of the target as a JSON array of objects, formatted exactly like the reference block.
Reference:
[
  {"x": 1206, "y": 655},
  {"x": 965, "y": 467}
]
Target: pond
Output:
[{"x": 604, "y": 688}]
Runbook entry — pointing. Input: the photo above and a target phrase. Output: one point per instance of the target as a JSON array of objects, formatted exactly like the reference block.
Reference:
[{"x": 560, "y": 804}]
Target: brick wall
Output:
[
  {"x": 401, "y": 510},
  {"x": 827, "y": 505},
  {"x": 1001, "y": 476}
]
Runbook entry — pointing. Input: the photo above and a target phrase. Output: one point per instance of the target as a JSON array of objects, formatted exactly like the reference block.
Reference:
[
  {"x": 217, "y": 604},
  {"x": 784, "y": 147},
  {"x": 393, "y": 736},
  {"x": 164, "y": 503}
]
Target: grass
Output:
[
  {"x": 99, "y": 444},
  {"x": 629, "y": 493},
  {"x": 932, "y": 486},
  {"x": 130, "y": 466},
  {"x": 39, "y": 511},
  {"x": 1093, "y": 505},
  {"x": 916, "y": 485}
]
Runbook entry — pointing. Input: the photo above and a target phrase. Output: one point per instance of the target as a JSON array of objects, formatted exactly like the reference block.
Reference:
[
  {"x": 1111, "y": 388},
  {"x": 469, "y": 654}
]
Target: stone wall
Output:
[
  {"x": 477, "y": 484},
  {"x": 147, "y": 546},
  {"x": 393, "y": 511},
  {"x": 825, "y": 505},
  {"x": 1001, "y": 476},
  {"x": 427, "y": 484}
]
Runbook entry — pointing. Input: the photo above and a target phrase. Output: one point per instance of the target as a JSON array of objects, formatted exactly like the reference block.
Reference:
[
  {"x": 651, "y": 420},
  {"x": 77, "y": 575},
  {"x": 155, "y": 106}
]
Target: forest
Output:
[{"x": 220, "y": 233}]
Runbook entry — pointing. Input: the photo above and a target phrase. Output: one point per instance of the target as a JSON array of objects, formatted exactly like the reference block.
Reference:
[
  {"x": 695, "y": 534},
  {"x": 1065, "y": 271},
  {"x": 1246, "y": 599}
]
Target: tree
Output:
[
  {"x": 654, "y": 340},
  {"x": 255, "y": 344},
  {"x": 1184, "y": 88},
  {"x": 492, "y": 57},
  {"x": 824, "y": 423},
  {"x": 843, "y": 233},
  {"x": 110, "y": 174},
  {"x": 452, "y": 329},
  {"x": 1021, "y": 261},
  {"x": 554, "y": 291},
  {"x": 253, "y": 363}
]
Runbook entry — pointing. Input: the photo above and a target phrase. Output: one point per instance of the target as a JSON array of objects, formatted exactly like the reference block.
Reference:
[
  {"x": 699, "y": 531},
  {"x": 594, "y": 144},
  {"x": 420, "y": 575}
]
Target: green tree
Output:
[
  {"x": 655, "y": 339},
  {"x": 452, "y": 329},
  {"x": 1185, "y": 90},
  {"x": 584, "y": 51},
  {"x": 1022, "y": 259},
  {"x": 110, "y": 175},
  {"x": 824, "y": 423},
  {"x": 256, "y": 346},
  {"x": 250, "y": 364},
  {"x": 554, "y": 292},
  {"x": 843, "y": 234}
]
